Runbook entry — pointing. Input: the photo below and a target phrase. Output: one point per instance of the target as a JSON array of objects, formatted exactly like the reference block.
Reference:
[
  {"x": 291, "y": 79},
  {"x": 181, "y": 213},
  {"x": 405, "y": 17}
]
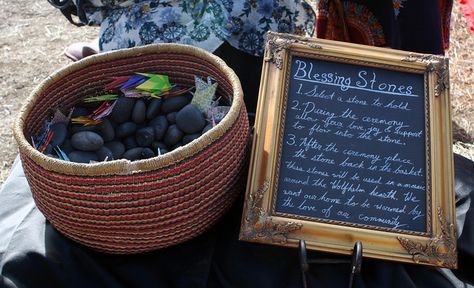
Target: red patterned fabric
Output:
[
  {"x": 411, "y": 25},
  {"x": 468, "y": 9}
]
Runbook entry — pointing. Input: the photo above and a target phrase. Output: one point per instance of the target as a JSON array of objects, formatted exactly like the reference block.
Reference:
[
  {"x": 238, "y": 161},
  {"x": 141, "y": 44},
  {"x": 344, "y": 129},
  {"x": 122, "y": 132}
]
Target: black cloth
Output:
[{"x": 34, "y": 254}]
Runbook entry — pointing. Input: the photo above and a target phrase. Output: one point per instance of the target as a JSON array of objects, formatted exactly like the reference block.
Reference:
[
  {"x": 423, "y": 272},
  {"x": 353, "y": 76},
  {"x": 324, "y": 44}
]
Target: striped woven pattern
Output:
[{"x": 125, "y": 207}]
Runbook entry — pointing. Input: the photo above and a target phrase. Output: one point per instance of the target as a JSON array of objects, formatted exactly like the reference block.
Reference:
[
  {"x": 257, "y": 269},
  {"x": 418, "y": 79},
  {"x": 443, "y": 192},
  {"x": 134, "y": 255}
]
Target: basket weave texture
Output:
[{"x": 125, "y": 207}]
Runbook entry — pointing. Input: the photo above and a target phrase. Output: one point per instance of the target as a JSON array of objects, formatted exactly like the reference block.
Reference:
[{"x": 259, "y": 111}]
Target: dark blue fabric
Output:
[{"x": 34, "y": 254}]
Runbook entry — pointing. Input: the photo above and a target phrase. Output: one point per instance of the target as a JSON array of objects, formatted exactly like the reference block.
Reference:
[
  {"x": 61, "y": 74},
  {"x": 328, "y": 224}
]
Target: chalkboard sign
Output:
[
  {"x": 354, "y": 146},
  {"x": 352, "y": 143}
]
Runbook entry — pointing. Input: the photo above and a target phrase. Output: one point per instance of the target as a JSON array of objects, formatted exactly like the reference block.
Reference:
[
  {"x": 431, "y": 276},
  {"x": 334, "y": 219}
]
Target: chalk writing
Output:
[{"x": 353, "y": 146}]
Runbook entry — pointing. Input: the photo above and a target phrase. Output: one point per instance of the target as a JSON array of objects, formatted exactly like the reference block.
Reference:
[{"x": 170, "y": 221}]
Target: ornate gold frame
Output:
[{"x": 437, "y": 247}]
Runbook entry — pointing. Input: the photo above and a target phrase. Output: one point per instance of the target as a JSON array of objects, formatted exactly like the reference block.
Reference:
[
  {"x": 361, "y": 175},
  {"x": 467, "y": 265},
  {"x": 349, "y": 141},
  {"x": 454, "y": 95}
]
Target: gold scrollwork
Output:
[
  {"x": 259, "y": 225},
  {"x": 434, "y": 63},
  {"x": 439, "y": 251},
  {"x": 276, "y": 46}
]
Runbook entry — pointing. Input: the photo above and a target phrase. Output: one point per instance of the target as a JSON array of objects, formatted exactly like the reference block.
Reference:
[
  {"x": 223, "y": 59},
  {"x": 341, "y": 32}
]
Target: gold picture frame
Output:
[{"x": 271, "y": 213}]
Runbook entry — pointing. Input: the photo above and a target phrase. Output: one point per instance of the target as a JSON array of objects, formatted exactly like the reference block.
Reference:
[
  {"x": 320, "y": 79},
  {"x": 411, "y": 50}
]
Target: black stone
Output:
[
  {"x": 122, "y": 109},
  {"x": 133, "y": 153},
  {"x": 48, "y": 149},
  {"x": 190, "y": 137},
  {"x": 87, "y": 141},
  {"x": 104, "y": 154},
  {"x": 207, "y": 128},
  {"x": 177, "y": 145},
  {"x": 162, "y": 151},
  {"x": 174, "y": 104},
  {"x": 190, "y": 120},
  {"x": 67, "y": 146},
  {"x": 160, "y": 125},
  {"x": 80, "y": 111},
  {"x": 73, "y": 129},
  {"x": 60, "y": 133},
  {"x": 153, "y": 108},
  {"x": 125, "y": 129},
  {"x": 116, "y": 147},
  {"x": 158, "y": 144},
  {"x": 82, "y": 156},
  {"x": 161, "y": 146},
  {"x": 130, "y": 142},
  {"x": 173, "y": 135},
  {"x": 139, "y": 112},
  {"x": 145, "y": 136},
  {"x": 171, "y": 117},
  {"x": 147, "y": 153},
  {"x": 106, "y": 130}
]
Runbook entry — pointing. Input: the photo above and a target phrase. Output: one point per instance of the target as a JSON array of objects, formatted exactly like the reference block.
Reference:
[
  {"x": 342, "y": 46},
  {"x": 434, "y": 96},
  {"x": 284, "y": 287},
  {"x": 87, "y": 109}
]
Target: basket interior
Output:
[{"x": 67, "y": 90}]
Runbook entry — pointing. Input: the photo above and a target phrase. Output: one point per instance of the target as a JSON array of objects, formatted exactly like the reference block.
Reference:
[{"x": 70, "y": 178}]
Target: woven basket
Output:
[{"x": 124, "y": 207}]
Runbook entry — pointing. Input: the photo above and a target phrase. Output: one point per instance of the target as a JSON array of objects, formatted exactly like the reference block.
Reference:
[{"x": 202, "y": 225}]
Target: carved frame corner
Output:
[
  {"x": 438, "y": 251},
  {"x": 258, "y": 225},
  {"x": 439, "y": 65},
  {"x": 277, "y": 46}
]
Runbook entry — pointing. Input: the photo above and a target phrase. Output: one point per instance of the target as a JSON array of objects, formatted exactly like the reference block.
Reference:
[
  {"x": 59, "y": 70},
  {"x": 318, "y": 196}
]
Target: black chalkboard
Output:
[{"x": 353, "y": 146}]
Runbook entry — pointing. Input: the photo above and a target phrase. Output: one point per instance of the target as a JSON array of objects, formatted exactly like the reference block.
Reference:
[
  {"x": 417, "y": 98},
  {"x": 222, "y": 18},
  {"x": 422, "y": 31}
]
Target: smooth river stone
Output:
[
  {"x": 82, "y": 156},
  {"x": 174, "y": 104},
  {"x": 139, "y": 112},
  {"x": 80, "y": 111},
  {"x": 122, "y": 109},
  {"x": 106, "y": 130},
  {"x": 190, "y": 120},
  {"x": 73, "y": 129},
  {"x": 147, "y": 153},
  {"x": 177, "y": 145},
  {"x": 173, "y": 135},
  {"x": 153, "y": 108},
  {"x": 87, "y": 141},
  {"x": 158, "y": 144},
  {"x": 104, "y": 153},
  {"x": 48, "y": 150},
  {"x": 171, "y": 117},
  {"x": 116, "y": 147},
  {"x": 67, "y": 147},
  {"x": 125, "y": 129},
  {"x": 133, "y": 154},
  {"x": 160, "y": 125},
  {"x": 60, "y": 134},
  {"x": 145, "y": 136},
  {"x": 207, "y": 128},
  {"x": 190, "y": 137},
  {"x": 130, "y": 142}
]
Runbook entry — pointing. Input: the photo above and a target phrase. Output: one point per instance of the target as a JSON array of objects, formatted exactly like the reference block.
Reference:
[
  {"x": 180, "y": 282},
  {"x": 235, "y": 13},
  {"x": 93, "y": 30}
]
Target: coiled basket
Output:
[{"x": 125, "y": 207}]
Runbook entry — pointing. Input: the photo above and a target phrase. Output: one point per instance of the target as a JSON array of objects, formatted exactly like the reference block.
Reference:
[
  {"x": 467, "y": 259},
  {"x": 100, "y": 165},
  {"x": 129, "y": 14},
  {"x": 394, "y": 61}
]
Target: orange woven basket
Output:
[{"x": 124, "y": 207}]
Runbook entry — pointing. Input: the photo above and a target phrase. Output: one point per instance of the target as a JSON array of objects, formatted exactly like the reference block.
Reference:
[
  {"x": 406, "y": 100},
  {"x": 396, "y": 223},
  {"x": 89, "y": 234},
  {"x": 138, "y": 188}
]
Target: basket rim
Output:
[{"x": 124, "y": 166}]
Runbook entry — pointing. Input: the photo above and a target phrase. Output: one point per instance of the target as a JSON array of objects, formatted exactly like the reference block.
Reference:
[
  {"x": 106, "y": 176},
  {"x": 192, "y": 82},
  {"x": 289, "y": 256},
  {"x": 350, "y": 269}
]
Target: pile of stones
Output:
[{"x": 137, "y": 128}]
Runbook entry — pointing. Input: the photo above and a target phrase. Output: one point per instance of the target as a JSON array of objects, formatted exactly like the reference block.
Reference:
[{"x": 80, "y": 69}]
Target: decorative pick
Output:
[
  {"x": 204, "y": 94},
  {"x": 106, "y": 97},
  {"x": 135, "y": 93},
  {"x": 46, "y": 142},
  {"x": 175, "y": 91},
  {"x": 59, "y": 117},
  {"x": 103, "y": 110},
  {"x": 117, "y": 82},
  {"x": 85, "y": 120},
  {"x": 40, "y": 141},
  {"x": 61, "y": 154},
  {"x": 155, "y": 84},
  {"x": 217, "y": 113}
]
